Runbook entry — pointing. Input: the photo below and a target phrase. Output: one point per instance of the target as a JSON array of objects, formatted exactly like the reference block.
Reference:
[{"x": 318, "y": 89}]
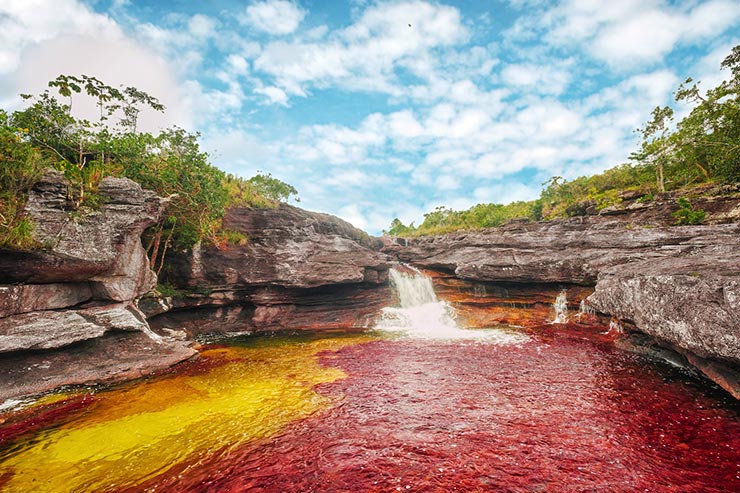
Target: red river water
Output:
[
  {"x": 437, "y": 409},
  {"x": 561, "y": 412}
]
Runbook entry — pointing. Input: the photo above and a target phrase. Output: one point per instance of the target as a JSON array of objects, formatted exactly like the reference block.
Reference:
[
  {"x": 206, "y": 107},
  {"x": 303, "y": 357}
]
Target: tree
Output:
[
  {"x": 272, "y": 188},
  {"x": 656, "y": 146}
]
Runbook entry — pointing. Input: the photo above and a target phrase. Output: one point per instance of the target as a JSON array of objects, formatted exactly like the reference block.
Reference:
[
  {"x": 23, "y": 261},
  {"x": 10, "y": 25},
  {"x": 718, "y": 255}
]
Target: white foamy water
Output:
[
  {"x": 422, "y": 315},
  {"x": 561, "y": 308}
]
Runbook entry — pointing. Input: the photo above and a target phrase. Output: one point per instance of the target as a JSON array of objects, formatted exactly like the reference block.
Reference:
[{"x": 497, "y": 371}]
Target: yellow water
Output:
[{"x": 134, "y": 433}]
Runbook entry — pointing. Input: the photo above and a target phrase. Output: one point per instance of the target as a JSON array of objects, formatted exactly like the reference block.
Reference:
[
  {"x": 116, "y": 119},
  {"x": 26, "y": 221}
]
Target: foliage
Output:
[
  {"x": 686, "y": 214},
  {"x": 167, "y": 290},
  {"x": 443, "y": 220},
  {"x": 703, "y": 147},
  {"x": 46, "y": 134},
  {"x": 272, "y": 188},
  {"x": 21, "y": 165}
]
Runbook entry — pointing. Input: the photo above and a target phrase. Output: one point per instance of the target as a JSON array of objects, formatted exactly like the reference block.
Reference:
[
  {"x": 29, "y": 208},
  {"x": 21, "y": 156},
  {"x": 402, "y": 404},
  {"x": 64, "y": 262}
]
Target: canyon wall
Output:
[{"x": 296, "y": 270}]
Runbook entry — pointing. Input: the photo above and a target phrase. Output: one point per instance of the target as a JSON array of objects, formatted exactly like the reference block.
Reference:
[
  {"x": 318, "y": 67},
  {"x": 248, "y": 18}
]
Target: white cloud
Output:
[
  {"x": 29, "y": 22},
  {"x": 276, "y": 17},
  {"x": 541, "y": 79},
  {"x": 240, "y": 151},
  {"x": 366, "y": 55},
  {"x": 41, "y": 39},
  {"x": 202, "y": 26},
  {"x": 237, "y": 64},
  {"x": 629, "y": 33},
  {"x": 275, "y": 95}
]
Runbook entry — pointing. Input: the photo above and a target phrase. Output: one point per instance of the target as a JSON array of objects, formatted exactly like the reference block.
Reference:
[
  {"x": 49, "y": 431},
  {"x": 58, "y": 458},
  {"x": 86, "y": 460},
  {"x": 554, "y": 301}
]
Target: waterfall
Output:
[
  {"x": 561, "y": 308},
  {"x": 585, "y": 308},
  {"x": 422, "y": 315}
]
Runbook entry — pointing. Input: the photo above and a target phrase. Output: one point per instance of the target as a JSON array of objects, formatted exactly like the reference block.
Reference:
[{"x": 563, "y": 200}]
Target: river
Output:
[{"x": 418, "y": 404}]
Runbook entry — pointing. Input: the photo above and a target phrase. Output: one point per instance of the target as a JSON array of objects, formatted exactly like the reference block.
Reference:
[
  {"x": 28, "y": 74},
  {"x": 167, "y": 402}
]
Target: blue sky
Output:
[{"x": 383, "y": 109}]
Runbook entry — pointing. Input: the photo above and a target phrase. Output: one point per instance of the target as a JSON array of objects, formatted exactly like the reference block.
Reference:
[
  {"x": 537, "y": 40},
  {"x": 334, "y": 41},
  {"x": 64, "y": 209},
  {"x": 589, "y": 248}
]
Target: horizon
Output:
[{"x": 378, "y": 110}]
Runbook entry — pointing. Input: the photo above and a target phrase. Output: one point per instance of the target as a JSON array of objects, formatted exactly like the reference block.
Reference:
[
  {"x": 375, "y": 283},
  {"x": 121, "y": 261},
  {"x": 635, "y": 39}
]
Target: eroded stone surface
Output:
[
  {"x": 23, "y": 298},
  {"x": 102, "y": 246},
  {"x": 54, "y": 329},
  {"x": 287, "y": 247},
  {"x": 299, "y": 270},
  {"x": 115, "y": 357}
]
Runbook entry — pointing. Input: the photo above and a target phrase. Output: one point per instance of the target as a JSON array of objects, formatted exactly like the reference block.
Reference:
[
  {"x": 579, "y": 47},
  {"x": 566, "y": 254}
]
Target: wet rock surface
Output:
[{"x": 115, "y": 357}]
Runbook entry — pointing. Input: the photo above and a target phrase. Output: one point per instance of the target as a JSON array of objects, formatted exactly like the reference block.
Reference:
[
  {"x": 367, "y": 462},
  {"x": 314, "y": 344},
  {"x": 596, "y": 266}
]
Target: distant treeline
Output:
[{"x": 703, "y": 147}]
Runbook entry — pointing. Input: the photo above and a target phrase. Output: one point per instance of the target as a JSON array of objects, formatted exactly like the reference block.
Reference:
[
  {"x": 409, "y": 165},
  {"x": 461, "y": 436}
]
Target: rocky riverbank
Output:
[
  {"x": 677, "y": 284},
  {"x": 80, "y": 308}
]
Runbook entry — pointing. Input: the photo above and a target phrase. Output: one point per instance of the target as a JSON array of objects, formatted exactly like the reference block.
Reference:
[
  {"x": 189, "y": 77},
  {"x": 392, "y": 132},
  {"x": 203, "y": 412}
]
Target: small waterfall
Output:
[
  {"x": 422, "y": 315},
  {"x": 561, "y": 308},
  {"x": 420, "y": 312},
  {"x": 615, "y": 327},
  {"x": 585, "y": 308}
]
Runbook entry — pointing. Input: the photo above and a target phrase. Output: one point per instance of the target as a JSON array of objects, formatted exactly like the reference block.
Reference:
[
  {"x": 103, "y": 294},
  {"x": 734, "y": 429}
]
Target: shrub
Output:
[{"x": 686, "y": 214}]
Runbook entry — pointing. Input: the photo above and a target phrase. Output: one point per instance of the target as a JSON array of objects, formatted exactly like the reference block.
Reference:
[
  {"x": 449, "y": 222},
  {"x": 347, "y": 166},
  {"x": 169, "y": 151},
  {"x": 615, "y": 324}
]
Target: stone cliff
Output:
[
  {"x": 80, "y": 288},
  {"x": 298, "y": 270},
  {"x": 677, "y": 284}
]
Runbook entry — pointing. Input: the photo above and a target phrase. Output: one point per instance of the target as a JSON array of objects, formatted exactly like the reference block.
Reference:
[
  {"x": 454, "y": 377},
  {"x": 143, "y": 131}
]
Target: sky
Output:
[{"x": 382, "y": 109}]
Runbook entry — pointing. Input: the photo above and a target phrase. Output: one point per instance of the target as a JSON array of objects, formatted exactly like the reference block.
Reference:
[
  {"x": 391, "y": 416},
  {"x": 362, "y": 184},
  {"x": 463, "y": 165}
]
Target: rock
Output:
[
  {"x": 299, "y": 270},
  {"x": 488, "y": 304},
  {"x": 54, "y": 329},
  {"x": 81, "y": 284},
  {"x": 101, "y": 246},
  {"x": 287, "y": 247},
  {"x": 570, "y": 251},
  {"x": 690, "y": 303},
  {"x": 23, "y": 298},
  {"x": 680, "y": 284},
  {"x": 115, "y": 357}
]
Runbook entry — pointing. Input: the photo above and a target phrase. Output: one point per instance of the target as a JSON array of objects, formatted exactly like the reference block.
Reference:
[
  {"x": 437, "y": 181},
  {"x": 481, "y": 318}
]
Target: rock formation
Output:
[
  {"x": 298, "y": 270},
  {"x": 81, "y": 285},
  {"x": 678, "y": 284}
]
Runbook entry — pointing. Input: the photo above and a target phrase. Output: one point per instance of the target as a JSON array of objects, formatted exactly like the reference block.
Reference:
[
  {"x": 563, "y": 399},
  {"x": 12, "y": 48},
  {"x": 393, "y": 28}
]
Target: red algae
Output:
[
  {"x": 562, "y": 412},
  {"x": 17, "y": 424}
]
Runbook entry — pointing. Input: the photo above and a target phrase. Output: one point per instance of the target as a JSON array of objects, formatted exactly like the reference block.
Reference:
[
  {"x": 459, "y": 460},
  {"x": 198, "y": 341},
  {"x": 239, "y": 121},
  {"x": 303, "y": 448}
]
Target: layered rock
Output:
[
  {"x": 678, "y": 284},
  {"x": 484, "y": 304},
  {"x": 81, "y": 284},
  {"x": 298, "y": 270}
]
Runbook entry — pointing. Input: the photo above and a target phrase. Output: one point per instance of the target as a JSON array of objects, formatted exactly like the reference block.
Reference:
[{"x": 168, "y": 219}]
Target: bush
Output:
[{"x": 686, "y": 214}]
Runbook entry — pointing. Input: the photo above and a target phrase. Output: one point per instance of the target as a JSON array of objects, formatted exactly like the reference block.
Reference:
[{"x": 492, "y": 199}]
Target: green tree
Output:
[{"x": 657, "y": 147}]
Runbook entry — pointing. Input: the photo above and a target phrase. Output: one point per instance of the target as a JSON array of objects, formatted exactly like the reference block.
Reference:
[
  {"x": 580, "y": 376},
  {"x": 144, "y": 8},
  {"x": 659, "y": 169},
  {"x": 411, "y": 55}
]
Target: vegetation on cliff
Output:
[
  {"x": 46, "y": 134},
  {"x": 703, "y": 147}
]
